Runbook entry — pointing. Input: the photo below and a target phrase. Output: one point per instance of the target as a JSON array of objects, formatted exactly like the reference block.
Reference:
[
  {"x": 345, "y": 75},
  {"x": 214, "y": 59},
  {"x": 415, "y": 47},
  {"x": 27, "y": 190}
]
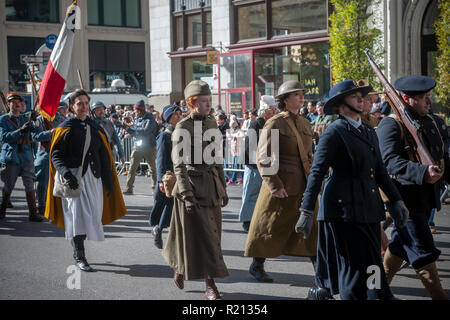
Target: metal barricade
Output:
[{"x": 228, "y": 160}]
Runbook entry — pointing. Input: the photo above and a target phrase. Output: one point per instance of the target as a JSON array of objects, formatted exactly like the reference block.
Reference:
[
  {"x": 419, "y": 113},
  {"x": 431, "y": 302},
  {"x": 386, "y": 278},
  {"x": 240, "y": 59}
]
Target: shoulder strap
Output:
[
  {"x": 303, "y": 155},
  {"x": 409, "y": 144},
  {"x": 87, "y": 143}
]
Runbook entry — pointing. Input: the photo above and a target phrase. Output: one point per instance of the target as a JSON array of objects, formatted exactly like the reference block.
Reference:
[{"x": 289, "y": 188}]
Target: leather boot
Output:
[
  {"x": 4, "y": 204},
  {"x": 157, "y": 233},
  {"x": 178, "y": 279},
  {"x": 79, "y": 253},
  {"x": 319, "y": 294},
  {"x": 33, "y": 212},
  {"x": 81, "y": 262},
  {"x": 391, "y": 265},
  {"x": 211, "y": 292},
  {"x": 430, "y": 279},
  {"x": 257, "y": 270}
]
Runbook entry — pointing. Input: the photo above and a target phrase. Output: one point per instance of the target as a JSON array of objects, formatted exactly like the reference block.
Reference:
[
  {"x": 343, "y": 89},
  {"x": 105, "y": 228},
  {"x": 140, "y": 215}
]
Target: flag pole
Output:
[{"x": 79, "y": 78}]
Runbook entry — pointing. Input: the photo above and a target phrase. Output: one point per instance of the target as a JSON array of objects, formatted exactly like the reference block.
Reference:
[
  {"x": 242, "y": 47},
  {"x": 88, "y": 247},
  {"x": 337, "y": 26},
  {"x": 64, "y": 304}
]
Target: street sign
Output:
[
  {"x": 30, "y": 59},
  {"x": 50, "y": 40},
  {"x": 45, "y": 52}
]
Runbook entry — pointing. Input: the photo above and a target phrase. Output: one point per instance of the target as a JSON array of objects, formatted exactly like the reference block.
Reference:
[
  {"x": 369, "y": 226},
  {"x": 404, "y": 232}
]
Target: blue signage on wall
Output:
[{"x": 50, "y": 41}]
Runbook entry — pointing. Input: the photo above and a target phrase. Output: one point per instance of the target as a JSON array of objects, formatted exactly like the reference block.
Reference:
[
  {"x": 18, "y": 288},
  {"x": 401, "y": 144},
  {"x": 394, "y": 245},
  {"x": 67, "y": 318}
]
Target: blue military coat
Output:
[
  {"x": 42, "y": 154},
  {"x": 111, "y": 132},
  {"x": 351, "y": 192},
  {"x": 164, "y": 153},
  {"x": 11, "y": 137},
  {"x": 408, "y": 175}
]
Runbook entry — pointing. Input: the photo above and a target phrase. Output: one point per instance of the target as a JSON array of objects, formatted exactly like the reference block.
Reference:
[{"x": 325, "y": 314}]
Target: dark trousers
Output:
[{"x": 162, "y": 209}]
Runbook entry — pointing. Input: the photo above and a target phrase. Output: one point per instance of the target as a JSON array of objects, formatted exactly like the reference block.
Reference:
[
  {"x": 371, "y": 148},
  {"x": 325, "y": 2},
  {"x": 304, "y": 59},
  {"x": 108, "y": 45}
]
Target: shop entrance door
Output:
[{"x": 236, "y": 82}]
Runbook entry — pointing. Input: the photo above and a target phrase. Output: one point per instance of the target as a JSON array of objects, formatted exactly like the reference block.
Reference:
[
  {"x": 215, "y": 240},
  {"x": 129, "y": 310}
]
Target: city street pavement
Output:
[{"x": 35, "y": 257}]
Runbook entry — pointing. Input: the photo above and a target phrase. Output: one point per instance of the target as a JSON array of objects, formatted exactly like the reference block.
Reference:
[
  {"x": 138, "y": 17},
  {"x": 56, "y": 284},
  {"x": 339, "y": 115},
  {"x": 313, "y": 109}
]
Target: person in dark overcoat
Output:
[
  {"x": 162, "y": 205},
  {"x": 418, "y": 184},
  {"x": 350, "y": 208}
]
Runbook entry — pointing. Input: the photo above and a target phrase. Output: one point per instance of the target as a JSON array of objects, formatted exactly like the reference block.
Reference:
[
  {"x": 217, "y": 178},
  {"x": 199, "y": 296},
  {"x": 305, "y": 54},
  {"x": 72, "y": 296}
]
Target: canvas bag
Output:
[{"x": 61, "y": 187}]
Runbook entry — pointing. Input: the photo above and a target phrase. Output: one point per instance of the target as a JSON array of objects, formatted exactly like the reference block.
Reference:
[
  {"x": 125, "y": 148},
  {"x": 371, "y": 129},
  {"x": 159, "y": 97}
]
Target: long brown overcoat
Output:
[
  {"x": 193, "y": 246},
  {"x": 271, "y": 232}
]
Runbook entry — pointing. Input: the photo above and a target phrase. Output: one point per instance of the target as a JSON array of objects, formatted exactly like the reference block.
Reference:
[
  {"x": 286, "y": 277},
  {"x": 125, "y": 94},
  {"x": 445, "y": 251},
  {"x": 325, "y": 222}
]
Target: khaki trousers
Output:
[{"x": 149, "y": 154}]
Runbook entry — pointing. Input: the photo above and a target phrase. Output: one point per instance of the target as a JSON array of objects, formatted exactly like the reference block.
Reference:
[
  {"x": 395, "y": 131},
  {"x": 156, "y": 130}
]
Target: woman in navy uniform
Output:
[
  {"x": 351, "y": 208},
  {"x": 418, "y": 184},
  {"x": 162, "y": 205}
]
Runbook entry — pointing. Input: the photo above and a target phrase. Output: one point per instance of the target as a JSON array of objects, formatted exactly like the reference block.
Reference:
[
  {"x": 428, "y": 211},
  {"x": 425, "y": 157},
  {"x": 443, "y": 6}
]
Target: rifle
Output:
[
  {"x": 4, "y": 103},
  {"x": 400, "y": 106},
  {"x": 35, "y": 93}
]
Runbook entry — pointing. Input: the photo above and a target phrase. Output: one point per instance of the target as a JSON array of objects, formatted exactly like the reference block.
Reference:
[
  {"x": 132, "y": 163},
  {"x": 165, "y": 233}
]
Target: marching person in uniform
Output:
[
  {"x": 271, "y": 232},
  {"x": 41, "y": 162},
  {"x": 193, "y": 248},
  {"x": 16, "y": 158},
  {"x": 418, "y": 184},
  {"x": 101, "y": 201},
  {"x": 98, "y": 111},
  {"x": 162, "y": 205},
  {"x": 351, "y": 208}
]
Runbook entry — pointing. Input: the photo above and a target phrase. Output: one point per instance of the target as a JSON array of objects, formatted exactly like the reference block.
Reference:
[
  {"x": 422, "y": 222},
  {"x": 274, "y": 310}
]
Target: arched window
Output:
[{"x": 428, "y": 43}]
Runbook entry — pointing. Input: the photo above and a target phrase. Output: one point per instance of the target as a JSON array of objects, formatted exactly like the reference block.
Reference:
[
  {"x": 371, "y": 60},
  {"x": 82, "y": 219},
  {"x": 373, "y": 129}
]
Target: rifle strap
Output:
[{"x": 410, "y": 146}]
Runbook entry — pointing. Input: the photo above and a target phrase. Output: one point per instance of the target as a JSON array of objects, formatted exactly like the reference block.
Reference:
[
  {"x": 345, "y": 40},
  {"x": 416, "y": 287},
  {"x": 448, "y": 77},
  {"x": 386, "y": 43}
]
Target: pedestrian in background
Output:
[
  {"x": 193, "y": 248},
  {"x": 235, "y": 137},
  {"x": 143, "y": 130}
]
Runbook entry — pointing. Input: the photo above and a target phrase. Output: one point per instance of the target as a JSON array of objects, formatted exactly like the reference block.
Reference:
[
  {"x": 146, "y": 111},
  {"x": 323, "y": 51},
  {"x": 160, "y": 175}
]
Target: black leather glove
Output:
[
  {"x": 25, "y": 128},
  {"x": 33, "y": 115},
  {"x": 71, "y": 180},
  {"x": 399, "y": 212},
  {"x": 305, "y": 223}
]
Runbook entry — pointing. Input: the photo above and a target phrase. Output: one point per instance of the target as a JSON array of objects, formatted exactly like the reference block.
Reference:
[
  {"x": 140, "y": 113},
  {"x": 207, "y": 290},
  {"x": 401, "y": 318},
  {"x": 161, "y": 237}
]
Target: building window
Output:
[
  {"x": 198, "y": 69},
  {"x": 271, "y": 18},
  {"x": 294, "y": 16},
  {"x": 192, "y": 24},
  {"x": 251, "y": 21},
  {"x": 114, "y": 13},
  {"x": 17, "y": 72},
  {"x": 31, "y": 10},
  {"x": 110, "y": 60}
]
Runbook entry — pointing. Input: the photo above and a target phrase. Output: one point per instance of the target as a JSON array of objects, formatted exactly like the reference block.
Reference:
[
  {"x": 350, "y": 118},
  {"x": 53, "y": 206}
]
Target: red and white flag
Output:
[{"x": 55, "y": 76}]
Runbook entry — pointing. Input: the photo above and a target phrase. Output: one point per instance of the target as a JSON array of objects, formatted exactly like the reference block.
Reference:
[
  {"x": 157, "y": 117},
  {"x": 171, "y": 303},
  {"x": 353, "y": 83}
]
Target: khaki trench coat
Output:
[
  {"x": 271, "y": 232},
  {"x": 193, "y": 246}
]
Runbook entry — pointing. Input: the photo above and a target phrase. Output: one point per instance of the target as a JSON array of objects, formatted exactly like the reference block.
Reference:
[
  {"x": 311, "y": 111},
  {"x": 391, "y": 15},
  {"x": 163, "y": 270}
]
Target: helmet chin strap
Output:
[{"x": 352, "y": 108}]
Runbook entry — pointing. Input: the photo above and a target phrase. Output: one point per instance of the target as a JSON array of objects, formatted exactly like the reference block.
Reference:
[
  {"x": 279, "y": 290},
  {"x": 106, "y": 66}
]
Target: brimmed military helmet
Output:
[
  {"x": 97, "y": 104},
  {"x": 288, "y": 87}
]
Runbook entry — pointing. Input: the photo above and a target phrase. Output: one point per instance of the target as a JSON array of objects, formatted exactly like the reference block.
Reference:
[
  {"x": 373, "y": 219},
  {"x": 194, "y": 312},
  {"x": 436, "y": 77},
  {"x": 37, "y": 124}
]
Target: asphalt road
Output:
[{"x": 36, "y": 260}]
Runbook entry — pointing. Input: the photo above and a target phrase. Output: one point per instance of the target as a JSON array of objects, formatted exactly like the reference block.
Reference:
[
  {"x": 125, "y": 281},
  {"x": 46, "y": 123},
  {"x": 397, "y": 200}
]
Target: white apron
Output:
[{"x": 83, "y": 215}]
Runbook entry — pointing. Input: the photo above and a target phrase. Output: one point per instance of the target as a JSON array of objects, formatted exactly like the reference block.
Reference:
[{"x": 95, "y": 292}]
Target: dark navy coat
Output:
[
  {"x": 351, "y": 192},
  {"x": 409, "y": 175},
  {"x": 162, "y": 207}
]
